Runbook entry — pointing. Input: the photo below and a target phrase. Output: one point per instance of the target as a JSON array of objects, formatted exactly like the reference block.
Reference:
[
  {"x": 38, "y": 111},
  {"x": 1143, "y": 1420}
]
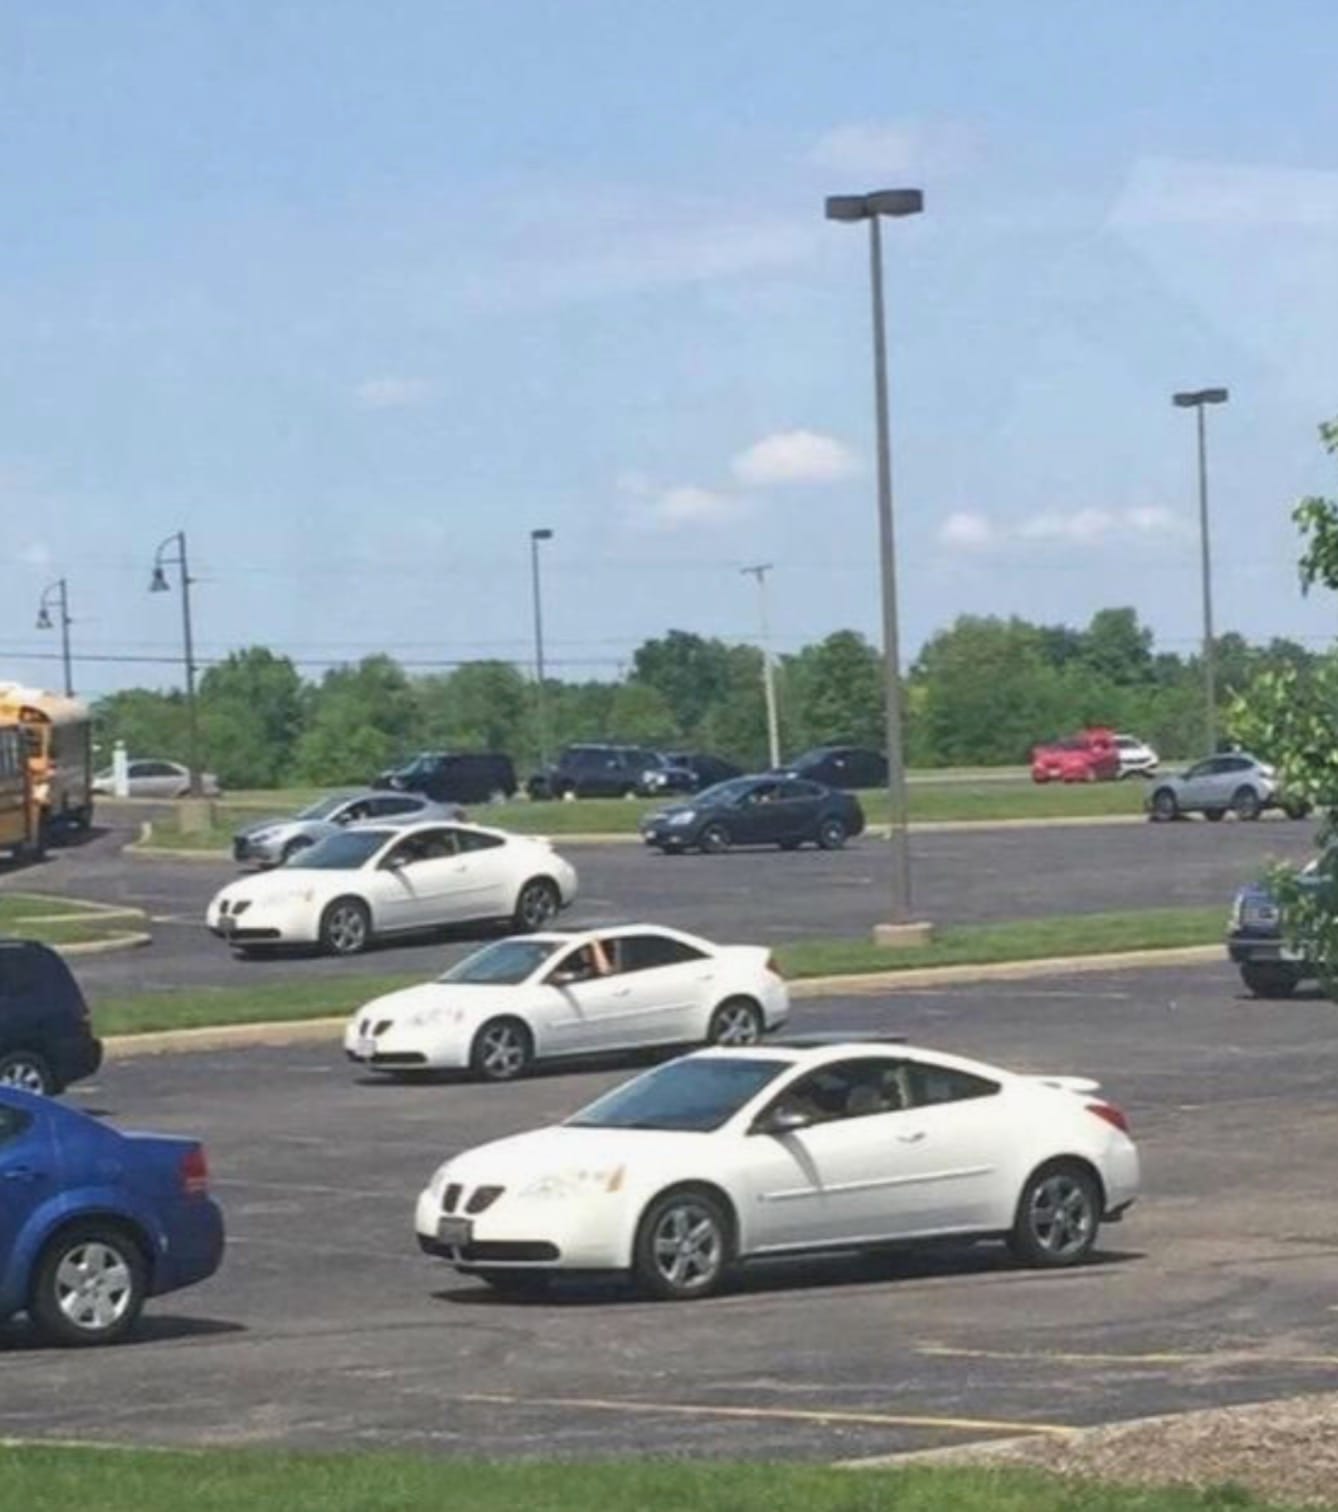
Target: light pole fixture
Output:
[
  {"x": 1198, "y": 400},
  {"x": 903, "y": 928},
  {"x": 172, "y": 552},
  {"x": 540, "y": 721},
  {"x": 768, "y": 671},
  {"x": 60, "y": 592}
]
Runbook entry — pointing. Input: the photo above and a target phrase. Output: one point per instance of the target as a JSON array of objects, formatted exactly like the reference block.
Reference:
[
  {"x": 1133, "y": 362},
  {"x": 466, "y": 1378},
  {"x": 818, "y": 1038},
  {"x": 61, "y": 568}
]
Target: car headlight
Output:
[
  {"x": 262, "y": 835},
  {"x": 1237, "y": 912},
  {"x": 684, "y": 816},
  {"x": 576, "y": 1183}
]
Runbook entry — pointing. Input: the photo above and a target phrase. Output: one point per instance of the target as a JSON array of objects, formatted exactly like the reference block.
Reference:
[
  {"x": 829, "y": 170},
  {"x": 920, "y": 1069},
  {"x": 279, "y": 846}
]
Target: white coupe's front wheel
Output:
[
  {"x": 346, "y": 927},
  {"x": 502, "y": 1050}
]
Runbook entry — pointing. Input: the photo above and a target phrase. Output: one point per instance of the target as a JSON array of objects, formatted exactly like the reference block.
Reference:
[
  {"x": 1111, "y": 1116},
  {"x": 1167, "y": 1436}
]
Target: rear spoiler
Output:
[{"x": 1081, "y": 1084}]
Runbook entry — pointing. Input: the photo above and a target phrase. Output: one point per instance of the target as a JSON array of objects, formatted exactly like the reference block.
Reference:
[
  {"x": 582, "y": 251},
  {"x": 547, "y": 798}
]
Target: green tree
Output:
[
  {"x": 838, "y": 685},
  {"x": 689, "y": 672},
  {"x": 251, "y": 716},
  {"x": 483, "y": 705},
  {"x": 642, "y": 715},
  {"x": 1116, "y": 647},
  {"x": 736, "y": 724},
  {"x": 149, "y": 722},
  {"x": 361, "y": 718}
]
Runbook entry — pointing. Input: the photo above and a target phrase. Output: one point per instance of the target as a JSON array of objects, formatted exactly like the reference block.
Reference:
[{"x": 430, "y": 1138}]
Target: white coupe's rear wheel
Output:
[
  {"x": 537, "y": 905},
  {"x": 737, "y": 1021},
  {"x": 1058, "y": 1216}
]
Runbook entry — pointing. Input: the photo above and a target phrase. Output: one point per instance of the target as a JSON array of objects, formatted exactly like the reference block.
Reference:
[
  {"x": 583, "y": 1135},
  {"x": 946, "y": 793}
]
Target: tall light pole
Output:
[
  {"x": 768, "y": 671},
  {"x": 535, "y": 537},
  {"x": 162, "y": 558},
  {"x": 902, "y": 929},
  {"x": 59, "y": 590},
  {"x": 1197, "y": 400}
]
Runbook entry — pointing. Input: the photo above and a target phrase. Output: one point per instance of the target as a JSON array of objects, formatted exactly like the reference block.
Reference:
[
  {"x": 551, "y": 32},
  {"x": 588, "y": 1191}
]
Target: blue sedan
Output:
[{"x": 93, "y": 1221}]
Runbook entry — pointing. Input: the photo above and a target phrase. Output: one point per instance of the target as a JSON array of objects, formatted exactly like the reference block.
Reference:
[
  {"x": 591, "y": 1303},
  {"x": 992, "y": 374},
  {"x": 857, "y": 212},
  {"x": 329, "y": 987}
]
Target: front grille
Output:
[
  {"x": 509, "y": 1249},
  {"x": 450, "y": 1198},
  {"x": 398, "y": 1058},
  {"x": 483, "y": 1198}
]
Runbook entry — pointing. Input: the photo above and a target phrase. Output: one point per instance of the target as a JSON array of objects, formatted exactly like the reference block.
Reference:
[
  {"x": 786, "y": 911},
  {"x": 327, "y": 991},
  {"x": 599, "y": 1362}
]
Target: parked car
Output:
[
  {"x": 1269, "y": 967},
  {"x": 1089, "y": 756},
  {"x": 847, "y": 767},
  {"x": 730, "y": 1155},
  {"x": 46, "y": 1035},
  {"x": 454, "y": 776},
  {"x": 545, "y": 996},
  {"x": 1137, "y": 758},
  {"x": 372, "y": 880},
  {"x": 94, "y": 1221},
  {"x": 272, "y": 842},
  {"x": 684, "y": 772},
  {"x": 766, "y": 810},
  {"x": 155, "y": 779},
  {"x": 1233, "y": 781},
  {"x": 593, "y": 771}
]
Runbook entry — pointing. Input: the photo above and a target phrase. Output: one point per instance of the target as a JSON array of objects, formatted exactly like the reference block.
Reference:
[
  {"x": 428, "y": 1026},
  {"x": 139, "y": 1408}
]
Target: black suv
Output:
[
  {"x": 46, "y": 1040},
  {"x": 595, "y": 771},
  {"x": 841, "y": 767},
  {"x": 454, "y": 776},
  {"x": 685, "y": 772}
]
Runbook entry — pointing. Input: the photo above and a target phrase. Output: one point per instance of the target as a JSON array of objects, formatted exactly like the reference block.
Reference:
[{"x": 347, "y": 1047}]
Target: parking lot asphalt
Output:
[
  {"x": 327, "y": 1327},
  {"x": 762, "y": 896}
]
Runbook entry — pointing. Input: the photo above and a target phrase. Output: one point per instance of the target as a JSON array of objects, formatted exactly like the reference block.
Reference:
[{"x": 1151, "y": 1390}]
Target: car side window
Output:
[
  {"x": 930, "y": 1085},
  {"x": 384, "y": 806},
  {"x": 1201, "y": 769},
  {"x": 12, "y": 1124},
  {"x": 472, "y": 840},
  {"x": 647, "y": 951},
  {"x": 796, "y": 789},
  {"x": 849, "y": 1089}
]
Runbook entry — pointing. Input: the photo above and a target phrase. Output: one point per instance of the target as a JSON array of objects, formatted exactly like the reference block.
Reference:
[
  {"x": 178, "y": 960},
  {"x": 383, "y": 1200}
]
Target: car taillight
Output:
[
  {"x": 1112, "y": 1115},
  {"x": 194, "y": 1173}
]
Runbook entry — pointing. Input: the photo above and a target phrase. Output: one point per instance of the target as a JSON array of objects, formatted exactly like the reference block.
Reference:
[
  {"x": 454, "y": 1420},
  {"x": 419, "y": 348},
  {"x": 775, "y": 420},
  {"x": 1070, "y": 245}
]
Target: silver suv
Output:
[{"x": 1234, "y": 781}]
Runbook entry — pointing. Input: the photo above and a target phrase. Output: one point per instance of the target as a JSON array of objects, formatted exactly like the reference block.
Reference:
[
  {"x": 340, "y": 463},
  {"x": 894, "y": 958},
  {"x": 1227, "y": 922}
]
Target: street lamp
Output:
[
  {"x": 902, "y": 928},
  {"x": 1197, "y": 399},
  {"x": 159, "y": 584},
  {"x": 768, "y": 672},
  {"x": 535, "y": 537},
  {"x": 61, "y": 593}
]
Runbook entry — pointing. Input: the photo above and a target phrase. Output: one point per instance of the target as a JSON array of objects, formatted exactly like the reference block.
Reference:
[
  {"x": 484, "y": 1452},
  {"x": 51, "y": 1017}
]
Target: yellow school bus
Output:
[
  {"x": 20, "y": 823},
  {"x": 59, "y": 736}
]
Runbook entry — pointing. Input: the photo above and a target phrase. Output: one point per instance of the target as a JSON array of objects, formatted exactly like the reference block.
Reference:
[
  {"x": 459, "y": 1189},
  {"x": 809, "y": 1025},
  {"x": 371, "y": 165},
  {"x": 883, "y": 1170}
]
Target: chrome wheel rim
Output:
[
  {"x": 687, "y": 1247},
  {"x": 348, "y": 930},
  {"x": 24, "y": 1074},
  {"x": 94, "y": 1287},
  {"x": 503, "y": 1051},
  {"x": 1061, "y": 1216},
  {"x": 736, "y": 1024},
  {"x": 536, "y": 905}
]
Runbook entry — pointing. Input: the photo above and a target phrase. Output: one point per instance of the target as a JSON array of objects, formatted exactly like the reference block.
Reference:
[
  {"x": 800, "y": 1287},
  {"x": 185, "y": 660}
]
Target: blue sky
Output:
[{"x": 359, "y": 293}]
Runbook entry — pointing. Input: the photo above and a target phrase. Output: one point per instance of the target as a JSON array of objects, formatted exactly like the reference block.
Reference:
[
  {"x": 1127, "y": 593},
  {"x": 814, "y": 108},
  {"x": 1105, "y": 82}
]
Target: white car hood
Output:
[
  {"x": 561, "y": 1148},
  {"x": 288, "y": 882},
  {"x": 470, "y": 1001}
]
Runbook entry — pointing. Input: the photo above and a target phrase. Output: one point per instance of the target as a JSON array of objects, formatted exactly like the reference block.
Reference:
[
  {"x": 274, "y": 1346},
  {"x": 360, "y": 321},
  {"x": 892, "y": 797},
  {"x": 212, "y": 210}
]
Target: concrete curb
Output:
[
  {"x": 108, "y": 946},
  {"x": 312, "y": 1031}
]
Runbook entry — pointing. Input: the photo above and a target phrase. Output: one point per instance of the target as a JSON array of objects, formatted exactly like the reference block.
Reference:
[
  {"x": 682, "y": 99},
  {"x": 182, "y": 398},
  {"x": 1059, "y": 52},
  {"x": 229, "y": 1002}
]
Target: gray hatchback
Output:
[
  {"x": 271, "y": 842},
  {"x": 1232, "y": 782}
]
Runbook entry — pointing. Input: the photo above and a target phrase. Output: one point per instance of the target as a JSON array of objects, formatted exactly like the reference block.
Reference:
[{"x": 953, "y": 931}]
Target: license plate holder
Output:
[
  {"x": 365, "y": 1048},
  {"x": 456, "y": 1232}
]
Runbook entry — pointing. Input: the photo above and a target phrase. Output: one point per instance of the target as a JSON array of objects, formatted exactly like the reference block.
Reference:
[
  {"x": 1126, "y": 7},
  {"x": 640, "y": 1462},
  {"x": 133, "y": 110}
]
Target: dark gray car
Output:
[{"x": 271, "y": 842}]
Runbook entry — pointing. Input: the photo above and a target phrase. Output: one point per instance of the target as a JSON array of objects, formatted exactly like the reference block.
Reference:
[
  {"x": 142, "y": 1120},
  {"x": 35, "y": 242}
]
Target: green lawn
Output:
[
  {"x": 930, "y": 802},
  {"x": 222, "y": 1480},
  {"x": 16, "y": 907},
  {"x": 973, "y": 944},
  {"x": 63, "y": 921}
]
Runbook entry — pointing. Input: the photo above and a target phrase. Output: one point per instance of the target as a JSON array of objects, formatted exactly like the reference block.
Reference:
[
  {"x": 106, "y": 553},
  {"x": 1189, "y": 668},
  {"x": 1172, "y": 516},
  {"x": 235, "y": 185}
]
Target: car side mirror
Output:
[
  {"x": 565, "y": 978},
  {"x": 782, "y": 1119},
  {"x": 395, "y": 863}
]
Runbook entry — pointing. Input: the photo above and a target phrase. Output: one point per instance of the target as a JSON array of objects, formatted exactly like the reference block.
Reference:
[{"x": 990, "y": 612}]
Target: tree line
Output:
[{"x": 981, "y": 692}]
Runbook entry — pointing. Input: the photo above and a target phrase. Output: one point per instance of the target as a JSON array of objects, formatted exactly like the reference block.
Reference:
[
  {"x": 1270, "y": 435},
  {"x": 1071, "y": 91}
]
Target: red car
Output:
[{"x": 1089, "y": 756}]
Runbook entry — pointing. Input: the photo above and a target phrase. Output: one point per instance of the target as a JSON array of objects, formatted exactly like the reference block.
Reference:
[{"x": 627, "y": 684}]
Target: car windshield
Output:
[
  {"x": 727, "y": 792},
  {"x": 323, "y": 807},
  {"x": 697, "y": 1095},
  {"x": 343, "y": 852},
  {"x": 502, "y": 964}
]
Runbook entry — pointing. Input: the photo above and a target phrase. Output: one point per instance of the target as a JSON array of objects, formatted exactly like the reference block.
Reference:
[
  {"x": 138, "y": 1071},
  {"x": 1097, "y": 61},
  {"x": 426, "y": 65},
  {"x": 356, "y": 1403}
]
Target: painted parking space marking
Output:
[
  {"x": 1233, "y": 1357},
  {"x": 774, "y": 1414}
]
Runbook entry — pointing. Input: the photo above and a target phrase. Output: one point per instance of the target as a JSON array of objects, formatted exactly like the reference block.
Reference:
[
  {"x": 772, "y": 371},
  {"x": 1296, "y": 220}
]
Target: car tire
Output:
[
  {"x": 503, "y": 1050},
  {"x": 1297, "y": 808},
  {"x": 1164, "y": 806},
  {"x": 537, "y": 905},
  {"x": 89, "y": 1286},
  {"x": 683, "y": 1245},
  {"x": 1214, "y": 815},
  {"x": 346, "y": 927},
  {"x": 523, "y": 1285},
  {"x": 1269, "y": 979},
  {"x": 831, "y": 834},
  {"x": 1058, "y": 1216},
  {"x": 1245, "y": 803},
  {"x": 714, "y": 840},
  {"x": 737, "y": 1021},
  {"x": 291, "y": 849},
  {"x": 28, "y": 1072}
]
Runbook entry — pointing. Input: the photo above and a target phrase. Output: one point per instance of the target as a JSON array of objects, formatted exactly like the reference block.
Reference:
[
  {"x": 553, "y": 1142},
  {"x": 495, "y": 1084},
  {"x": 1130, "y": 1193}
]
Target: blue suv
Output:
[
  {"x": 93, "y": 1221},
  {"x": 1268, "y": 966}
]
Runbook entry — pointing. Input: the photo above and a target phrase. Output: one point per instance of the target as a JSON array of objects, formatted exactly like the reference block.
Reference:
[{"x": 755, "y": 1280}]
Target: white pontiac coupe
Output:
[
  {"x": 370, "y": 880},
  {"x": 731, "y": 1155},
  {"x": 546, "y": 995}
]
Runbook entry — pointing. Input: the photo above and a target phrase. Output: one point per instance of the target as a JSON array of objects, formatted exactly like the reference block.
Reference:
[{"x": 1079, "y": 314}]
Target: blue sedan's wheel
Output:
[{"x": 90, "y": 1285}]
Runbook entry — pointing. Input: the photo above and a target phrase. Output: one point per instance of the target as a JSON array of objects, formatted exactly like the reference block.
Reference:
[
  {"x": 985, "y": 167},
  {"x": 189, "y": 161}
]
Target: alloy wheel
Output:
[
  {"x": 502, "y": 1051},
  {"x": 347, "y": 929},
  {"x": 1061, "y": 1215},
  {"x": 687, "y": 1247},
  {"x": 94, "y": 1286},
  {"x": 24, "y": 1072},
  {"x": 735, "y": 1024}
]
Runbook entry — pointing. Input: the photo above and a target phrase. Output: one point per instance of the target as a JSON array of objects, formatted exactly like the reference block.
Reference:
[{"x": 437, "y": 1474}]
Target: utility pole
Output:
[{"x": 768, "y": 671}]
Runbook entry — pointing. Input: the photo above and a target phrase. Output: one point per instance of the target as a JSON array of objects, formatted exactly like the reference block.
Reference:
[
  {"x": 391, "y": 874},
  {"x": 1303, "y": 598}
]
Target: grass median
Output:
[
  {"x": 987, "y": 800},
  {"x": 64, "y": 921},
  {"x": 219, "y": 1480},
  {"x": 965, "y": 944}
]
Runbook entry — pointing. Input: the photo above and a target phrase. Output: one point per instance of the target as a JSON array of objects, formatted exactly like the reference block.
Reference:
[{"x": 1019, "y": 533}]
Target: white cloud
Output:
[
  {"x": 36, "y": 554},
  {"x": 392, "y": 393},
  {"x": 877, "y": 151},
  {"x": 1080, "y": 526},
  {"x": 689, "y": 505},
  {"x": 965, "y": 531},
  {"x": 797, "y": 456}
]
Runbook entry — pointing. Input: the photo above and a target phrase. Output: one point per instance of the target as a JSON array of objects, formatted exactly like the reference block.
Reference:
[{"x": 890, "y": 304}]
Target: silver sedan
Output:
[{"x": 271, "y": 842}]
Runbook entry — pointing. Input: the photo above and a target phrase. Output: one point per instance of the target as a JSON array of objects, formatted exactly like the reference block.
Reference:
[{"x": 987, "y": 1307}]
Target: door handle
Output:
[
  {"x": 913, "y": 1138},
  {"x": 21, "y": 1173}
]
